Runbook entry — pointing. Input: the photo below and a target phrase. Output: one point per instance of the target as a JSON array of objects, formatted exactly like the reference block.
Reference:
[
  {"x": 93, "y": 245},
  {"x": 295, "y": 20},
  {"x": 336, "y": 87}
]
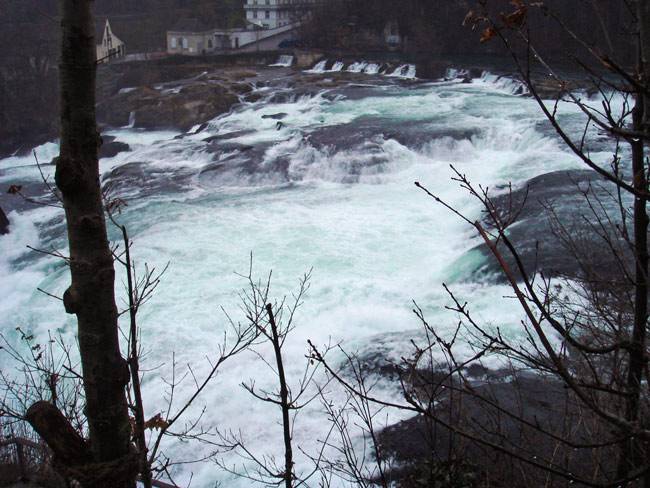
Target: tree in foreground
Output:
[{"x": 107, "y": 459}]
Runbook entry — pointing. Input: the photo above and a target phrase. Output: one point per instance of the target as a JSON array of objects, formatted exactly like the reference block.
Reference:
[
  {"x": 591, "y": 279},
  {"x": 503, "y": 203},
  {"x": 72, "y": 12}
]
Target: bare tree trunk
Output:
[
  {"x": 631, "y": 454},
  {"x": 284, "y": 400},
  {"x": 91, "y": 296}
]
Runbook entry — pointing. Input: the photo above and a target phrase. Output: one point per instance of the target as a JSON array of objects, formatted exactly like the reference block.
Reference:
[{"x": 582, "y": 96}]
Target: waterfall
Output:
[
  {"x": 357, "y": 67},
  {"x": 504, "y": 84},
  {"x": 371, "y": 69},
  {"x": 455, "y": 74},
  {"x": 131, "y": 120},
  {"x": 411, "y": 72},
  {"x": 407, "y": 71},
  {"x": 338, "y": 66},
  {"x": 319, "y": 68},
  {"x": 284, "y": 61}
]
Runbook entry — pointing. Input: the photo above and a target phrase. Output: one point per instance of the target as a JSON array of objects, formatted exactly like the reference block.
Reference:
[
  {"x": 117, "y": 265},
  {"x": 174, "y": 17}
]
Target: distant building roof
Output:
[
  {"x": 190, "y": 25},
  {"x": 100, "y": 25}
]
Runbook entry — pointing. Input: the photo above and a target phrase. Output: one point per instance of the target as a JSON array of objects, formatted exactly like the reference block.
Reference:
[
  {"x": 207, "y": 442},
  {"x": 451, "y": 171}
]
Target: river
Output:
[{"x": 321, "y": 181}]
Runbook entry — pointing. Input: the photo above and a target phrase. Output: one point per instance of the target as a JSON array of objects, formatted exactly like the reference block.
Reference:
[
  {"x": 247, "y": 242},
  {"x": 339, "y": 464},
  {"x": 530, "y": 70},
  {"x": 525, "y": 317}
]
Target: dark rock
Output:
[
  {"x": 542, "y": 403},
  {"x": 279, "y": 116},
  {"x": 201, "y": 128},
  {"x": 181, "y": 107},
  {"x": 138, "y": 179},
  {"x": 113, "y": 148},
  {"x": 4, "y": 223},
  {"x": 230, "y": 135},
  {"x": 545, "y": 201},
  {"x": 225, "y": 147},
  {"x": 241, "y": 88}
]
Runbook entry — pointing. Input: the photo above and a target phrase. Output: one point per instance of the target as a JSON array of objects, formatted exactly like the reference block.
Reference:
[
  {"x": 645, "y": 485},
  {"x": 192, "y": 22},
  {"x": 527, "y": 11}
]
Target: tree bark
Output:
[
  {"x": 284, "y": 400},
  {"x": 632, "y": 455},
  {"x": 67, "y": 445},
  {"x": 91, "y": 296}
]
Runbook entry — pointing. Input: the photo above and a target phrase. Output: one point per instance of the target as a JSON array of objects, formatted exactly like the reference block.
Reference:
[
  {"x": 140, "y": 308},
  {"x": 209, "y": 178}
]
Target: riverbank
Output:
[{"x": 210, "y": 86}]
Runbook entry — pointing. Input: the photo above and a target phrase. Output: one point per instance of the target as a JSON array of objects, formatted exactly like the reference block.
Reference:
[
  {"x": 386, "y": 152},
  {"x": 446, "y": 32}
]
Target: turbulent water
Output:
[{"x": 331, "y": 189}]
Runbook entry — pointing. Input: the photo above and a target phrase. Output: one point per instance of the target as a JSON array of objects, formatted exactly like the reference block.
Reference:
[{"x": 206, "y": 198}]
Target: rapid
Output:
[{"x": 320, "y": 180}]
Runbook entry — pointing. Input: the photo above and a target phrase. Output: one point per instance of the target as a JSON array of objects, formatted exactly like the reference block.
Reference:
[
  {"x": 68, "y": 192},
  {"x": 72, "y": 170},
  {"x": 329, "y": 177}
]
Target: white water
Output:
[
  {"x": 454, "y": 74},
  {"x": 408, "y": 71},
  {"x": 357, "y": 67},
  {"x": 319, "y": 67},
  {"x": 284, "y": 61},
  {"x": 345, "y": 206},
  {"x": 505, "y": 84},
  {"x": 371, "y": 69},
  {"x": 405, "y": 71}
]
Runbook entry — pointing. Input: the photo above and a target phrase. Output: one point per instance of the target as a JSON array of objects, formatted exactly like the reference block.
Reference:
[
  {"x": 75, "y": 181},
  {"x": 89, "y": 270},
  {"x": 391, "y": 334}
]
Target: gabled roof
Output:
[{"x": 100, "y": 26}]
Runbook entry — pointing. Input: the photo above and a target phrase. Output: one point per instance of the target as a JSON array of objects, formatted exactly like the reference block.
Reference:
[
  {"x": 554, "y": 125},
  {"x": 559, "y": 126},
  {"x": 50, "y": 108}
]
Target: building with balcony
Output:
[
  {"x": 271, "y": 14},
  {"x": 268, "y": 23}
]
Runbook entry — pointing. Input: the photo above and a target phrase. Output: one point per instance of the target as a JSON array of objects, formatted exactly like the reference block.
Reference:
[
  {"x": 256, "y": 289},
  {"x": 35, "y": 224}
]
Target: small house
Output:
[{"x": 110, "y": 46}]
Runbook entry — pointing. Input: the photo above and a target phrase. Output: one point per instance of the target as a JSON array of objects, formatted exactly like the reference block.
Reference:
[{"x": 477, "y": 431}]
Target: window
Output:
[
  {"x": 173, "y": 43},
  {"x": 209, "y": 43},
  {"x": 267, "y": 14},
  {"x": 236, "y": 42},
  {"x": 255, "y": 14},
  {"x": 184, "y": 42}
]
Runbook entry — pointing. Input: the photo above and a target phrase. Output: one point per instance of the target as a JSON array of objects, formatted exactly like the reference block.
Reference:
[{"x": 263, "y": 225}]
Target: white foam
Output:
[
  {"x": 406, "y": 71},
  {"x": 350, "y": 212},
  {"x": 318, "y": 67},
  {"x": 284, "y": 61},
  {"x": 503, "y": 84}
]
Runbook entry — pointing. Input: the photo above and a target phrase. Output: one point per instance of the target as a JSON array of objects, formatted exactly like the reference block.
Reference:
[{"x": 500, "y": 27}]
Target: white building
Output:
[
  {"x": 268, "y": 23},
  {"x": 271, "y": 14},
  {"x": 110, "y": 47}
]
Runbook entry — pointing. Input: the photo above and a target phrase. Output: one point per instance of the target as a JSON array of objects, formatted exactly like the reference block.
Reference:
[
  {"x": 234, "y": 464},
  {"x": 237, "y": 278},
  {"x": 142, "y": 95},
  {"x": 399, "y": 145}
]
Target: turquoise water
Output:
[{"x": 332, "y": 190}]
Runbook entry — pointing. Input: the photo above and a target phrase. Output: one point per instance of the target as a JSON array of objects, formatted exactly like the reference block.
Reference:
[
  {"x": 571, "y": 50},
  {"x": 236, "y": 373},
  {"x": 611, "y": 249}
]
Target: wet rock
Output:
[
  {"x": 241, "y": 88},
  {"x": 139, "y": 179},
  {"x": 229, "y": 135},
  {"x": 279, "y": 116},
  {"x": 4, "y": 223},
  {"x": 201, "y": 128},
  {"x": 181, "y": 107},
  {"x": 542, "y": 403},
  {"x": 227, "y": 147},
  {"x": 111, "y": 147},
  {"x": 543, "y": 203}
]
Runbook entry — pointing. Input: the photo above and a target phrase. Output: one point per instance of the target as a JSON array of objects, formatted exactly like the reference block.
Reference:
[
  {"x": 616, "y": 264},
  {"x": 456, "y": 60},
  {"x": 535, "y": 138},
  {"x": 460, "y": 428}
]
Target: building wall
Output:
[
  {"x": 111, "y": 47},
  {"x": 190, "y": 43},
  {"x": 269, "y": 43},
  {"x": 271, "y": 14}
]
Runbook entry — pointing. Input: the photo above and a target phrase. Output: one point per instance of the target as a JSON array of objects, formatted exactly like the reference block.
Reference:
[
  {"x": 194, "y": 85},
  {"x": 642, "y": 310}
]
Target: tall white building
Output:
[
  {"x": 272, "y": 14},
  {"x": 268, "y": 24}
]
